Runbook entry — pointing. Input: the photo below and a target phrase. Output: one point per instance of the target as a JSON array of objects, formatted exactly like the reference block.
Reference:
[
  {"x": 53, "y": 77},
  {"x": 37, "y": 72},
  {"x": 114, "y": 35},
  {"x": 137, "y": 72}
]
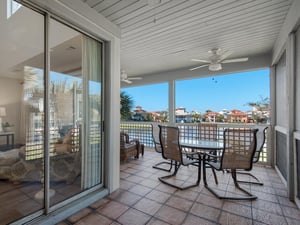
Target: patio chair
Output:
[
  {"x": 128, "y": 148},
  {"x": 157, "y": 147},
  {"x": 171, "y": 150},
  {"x": 260, "y": 140},
  {"x": 238, "y": 152},
  {"x": 208, "y": 131}
]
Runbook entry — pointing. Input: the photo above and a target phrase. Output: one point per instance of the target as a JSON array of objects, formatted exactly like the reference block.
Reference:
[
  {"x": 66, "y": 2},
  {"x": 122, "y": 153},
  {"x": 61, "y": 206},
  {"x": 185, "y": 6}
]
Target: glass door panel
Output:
[
  {"x": 75, "y": 112},
  {"x": 65, "y": 115},
  {"x": 21, "y": 100}
]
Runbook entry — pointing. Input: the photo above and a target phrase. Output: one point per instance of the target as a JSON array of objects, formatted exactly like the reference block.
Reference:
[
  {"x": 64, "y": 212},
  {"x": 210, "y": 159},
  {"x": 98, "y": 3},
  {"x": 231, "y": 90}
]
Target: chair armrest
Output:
[{"x": 134, "y": 141}]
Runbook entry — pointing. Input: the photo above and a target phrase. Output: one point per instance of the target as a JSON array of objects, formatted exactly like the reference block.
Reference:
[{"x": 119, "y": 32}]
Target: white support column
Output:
[
  {"x": 172, "y": 102},
  {"x": 271, "y": 144},
  {"x": 290, "y": 72}
]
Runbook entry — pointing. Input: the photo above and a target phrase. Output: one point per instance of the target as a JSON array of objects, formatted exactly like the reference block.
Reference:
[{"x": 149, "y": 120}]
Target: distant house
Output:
[
  {"x": 137, "y": 113},
  {"x": 225, "y": 113},
  {"x": 211, "y": 116},
  {"x": 182, "y": 116},
  {"x": 237, "y": 116},
  {"x": 155, "y": 116}
]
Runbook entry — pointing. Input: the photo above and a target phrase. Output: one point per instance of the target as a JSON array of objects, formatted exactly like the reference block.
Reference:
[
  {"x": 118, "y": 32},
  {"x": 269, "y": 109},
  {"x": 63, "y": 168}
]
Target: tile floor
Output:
[
  {"x": 143, "y": 199},
  {"x": 18, "y": 200}
]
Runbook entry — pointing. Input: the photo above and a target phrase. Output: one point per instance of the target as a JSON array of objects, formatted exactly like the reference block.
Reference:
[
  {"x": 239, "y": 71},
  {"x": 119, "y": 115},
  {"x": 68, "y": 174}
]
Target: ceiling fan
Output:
[
  {"x": 214, "y": 62},
  {"x": 126, "y": 79}
]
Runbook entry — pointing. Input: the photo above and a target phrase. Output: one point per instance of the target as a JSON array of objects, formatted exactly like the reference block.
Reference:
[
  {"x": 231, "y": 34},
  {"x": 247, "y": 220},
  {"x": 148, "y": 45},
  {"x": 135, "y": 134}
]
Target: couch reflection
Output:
[{"x": 26, "y": 163}]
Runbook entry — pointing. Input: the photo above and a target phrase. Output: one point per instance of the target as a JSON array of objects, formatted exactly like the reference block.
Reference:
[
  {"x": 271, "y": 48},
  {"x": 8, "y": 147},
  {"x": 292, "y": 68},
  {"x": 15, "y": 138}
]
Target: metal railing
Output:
[{"x": 143, "y": 132}]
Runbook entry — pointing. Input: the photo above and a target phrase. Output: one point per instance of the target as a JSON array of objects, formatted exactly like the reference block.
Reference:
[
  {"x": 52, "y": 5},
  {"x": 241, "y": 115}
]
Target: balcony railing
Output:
[{"x": 143, "y": 131}]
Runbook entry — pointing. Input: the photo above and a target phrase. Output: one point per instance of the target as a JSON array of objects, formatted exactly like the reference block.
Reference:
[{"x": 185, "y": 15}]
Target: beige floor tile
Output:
[
  {"x": 128, "y": 198},
  {"x": 232, "y": 219},
  {"x": 158, "y": 196},
  {"x": 194, "y": 220},
  {"x": 170, "y": 215},
  {"x": 155, "y": 221},
  {"x": 209, "y": 200},
  {"x": 79, "y": 215},
  {"x": 206, "y": 212},
  {"x": 140, "y": 190},
  {"x": 268, "y": 218},
  {"x": 133, "y": 217},
  {"x": 94, "y": 218},
  {"x": 147, "y": 206},
  {"x": 267, "y": 206},
  {"x": 113, "y": 209},
  {"x": 179, "y": 203},
  {"x": 237, "y": 209},
  {"x": 99, "y": 203},
  {"x": 291, "y": 212}
]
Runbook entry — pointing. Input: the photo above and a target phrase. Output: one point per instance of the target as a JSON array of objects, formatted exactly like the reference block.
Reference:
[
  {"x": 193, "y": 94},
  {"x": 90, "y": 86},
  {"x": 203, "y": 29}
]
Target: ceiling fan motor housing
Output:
[{"x": 215, "y": 66}]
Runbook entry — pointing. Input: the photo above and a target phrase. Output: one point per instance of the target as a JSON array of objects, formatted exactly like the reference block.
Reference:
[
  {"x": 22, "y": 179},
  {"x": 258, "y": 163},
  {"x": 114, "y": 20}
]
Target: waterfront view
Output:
[{"x": 232, "y": 98}]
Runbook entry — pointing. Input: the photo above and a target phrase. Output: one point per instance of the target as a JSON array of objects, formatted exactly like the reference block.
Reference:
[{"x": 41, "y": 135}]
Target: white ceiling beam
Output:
[{"x": 291, "y": 22}]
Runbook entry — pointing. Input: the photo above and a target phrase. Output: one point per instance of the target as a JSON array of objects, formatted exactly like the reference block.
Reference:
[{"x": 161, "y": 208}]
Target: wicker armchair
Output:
[{"x": 128, "y": 148}]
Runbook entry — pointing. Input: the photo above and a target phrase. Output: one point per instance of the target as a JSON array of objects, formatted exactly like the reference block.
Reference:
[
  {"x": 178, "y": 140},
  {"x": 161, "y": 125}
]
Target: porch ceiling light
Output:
[{"x": 215, "y": 66}]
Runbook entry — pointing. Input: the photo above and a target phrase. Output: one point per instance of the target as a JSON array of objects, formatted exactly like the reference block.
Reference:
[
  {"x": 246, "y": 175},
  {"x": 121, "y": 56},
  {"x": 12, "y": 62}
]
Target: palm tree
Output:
[
  {"x": 261, "y": 106},
  {"x": 126, "y": 106}
]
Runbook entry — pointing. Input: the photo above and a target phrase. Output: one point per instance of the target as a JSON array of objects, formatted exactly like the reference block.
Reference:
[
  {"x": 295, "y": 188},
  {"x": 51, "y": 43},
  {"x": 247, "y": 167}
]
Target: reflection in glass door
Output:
[
  {"x": 74, "y": 112},
  {"x": 21, "y": 103}
]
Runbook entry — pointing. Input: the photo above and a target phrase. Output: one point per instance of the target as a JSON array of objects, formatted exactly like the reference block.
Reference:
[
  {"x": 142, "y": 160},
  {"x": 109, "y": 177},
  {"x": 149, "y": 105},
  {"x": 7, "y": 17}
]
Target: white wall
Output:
[
  {"x": 10, "y": 92},
  {"x": 297, "y": 81}
]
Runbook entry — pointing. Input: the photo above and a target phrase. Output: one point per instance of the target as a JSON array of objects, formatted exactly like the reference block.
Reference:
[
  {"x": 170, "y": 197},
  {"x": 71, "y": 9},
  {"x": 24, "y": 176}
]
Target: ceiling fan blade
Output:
[
  {"x": 134, "y": 78},
  {"x": 235, "y": 60},
  {"x": 225, "y": 55},
  {"x": 198, "y": 67},
  {"x": 200, "y": 60},
  {"x": 127, "y": 81}
]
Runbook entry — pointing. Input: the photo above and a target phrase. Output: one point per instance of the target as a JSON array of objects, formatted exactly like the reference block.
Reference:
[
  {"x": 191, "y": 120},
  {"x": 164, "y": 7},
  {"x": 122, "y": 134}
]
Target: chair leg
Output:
[
  {"x": 156, "y": 166},
  {"x": 249, "y": 182},
  {"x": 177, "y": 165},
  {"x": 233, "y": 174},
  {"x": 251, "y": 196},
  {"x": 215, "y": 176},
  {"x": 204, "y": 173}
]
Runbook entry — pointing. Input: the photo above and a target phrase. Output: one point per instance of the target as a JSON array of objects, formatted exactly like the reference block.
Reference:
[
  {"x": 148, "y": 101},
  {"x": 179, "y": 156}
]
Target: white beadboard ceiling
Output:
[{"x": 167, "y": 34}]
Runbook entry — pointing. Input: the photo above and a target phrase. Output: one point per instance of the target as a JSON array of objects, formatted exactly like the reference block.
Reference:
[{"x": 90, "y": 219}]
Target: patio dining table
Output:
[{"x": 201, "y": 144}]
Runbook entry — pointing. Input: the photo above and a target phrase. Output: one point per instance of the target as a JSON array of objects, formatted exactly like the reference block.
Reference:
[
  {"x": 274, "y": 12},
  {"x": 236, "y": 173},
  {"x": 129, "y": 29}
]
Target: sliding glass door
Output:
[
  {"x": 74, "y": 112},
  {"x": 51, "y": 107},
  {"x": 21, "y": 101}
]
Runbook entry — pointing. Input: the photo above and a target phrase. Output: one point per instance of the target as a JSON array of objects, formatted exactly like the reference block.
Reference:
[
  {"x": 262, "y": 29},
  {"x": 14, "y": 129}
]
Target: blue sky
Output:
[{"x": 230, "y": 91}]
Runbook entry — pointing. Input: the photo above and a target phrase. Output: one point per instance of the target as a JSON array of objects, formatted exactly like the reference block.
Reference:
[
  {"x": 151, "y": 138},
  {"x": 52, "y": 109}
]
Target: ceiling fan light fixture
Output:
[{"x": 215, "y": 67}]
